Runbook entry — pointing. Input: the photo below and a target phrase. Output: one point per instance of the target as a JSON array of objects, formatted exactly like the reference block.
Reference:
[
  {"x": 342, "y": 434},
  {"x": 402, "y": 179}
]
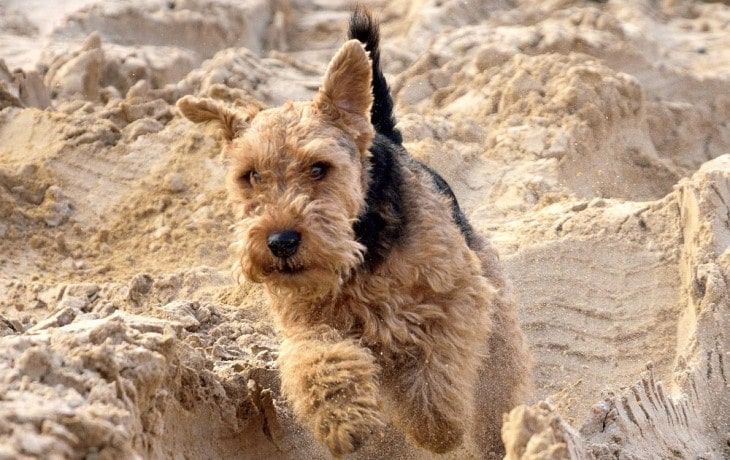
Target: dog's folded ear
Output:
[{"x": 230, "y": 121}]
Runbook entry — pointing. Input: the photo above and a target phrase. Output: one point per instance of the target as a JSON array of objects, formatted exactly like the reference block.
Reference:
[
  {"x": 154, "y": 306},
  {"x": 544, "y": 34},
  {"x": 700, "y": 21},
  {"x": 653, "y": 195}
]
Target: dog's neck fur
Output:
[{"x": 383, "y": 222}]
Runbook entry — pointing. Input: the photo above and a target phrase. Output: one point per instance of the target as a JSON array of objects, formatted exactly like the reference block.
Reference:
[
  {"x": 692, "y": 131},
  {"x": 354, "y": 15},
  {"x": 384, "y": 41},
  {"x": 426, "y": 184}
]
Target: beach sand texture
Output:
[{"x": 589, "y": 140}]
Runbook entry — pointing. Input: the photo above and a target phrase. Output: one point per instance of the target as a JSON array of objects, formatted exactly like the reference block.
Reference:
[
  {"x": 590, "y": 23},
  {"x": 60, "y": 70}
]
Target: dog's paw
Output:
[
  {"x": 344, "y": 428},
  {"x": 433, "y": 431},
  {"x": 439, "y": 442}
]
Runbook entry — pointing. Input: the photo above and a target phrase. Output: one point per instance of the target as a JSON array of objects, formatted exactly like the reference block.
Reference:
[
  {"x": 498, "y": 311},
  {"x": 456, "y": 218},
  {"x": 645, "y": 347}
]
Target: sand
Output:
[{"x": 589, "y": 140}]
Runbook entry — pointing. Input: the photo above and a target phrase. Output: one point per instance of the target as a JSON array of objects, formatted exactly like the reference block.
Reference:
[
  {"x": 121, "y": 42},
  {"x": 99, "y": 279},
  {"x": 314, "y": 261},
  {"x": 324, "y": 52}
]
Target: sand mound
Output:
[{"x": 589, "y": 140}]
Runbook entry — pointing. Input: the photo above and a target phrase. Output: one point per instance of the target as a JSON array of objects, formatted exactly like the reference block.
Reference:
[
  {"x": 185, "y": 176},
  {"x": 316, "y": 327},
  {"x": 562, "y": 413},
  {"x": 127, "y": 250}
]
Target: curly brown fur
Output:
[{"x": 389, "y": 307}]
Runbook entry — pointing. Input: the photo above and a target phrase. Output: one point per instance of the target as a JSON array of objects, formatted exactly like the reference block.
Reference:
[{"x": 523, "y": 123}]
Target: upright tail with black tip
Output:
[{"x": 365, "y": 29}]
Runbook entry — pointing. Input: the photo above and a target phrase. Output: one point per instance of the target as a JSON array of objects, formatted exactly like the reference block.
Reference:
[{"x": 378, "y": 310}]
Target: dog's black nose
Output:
[{"x": 284, "y": 244}]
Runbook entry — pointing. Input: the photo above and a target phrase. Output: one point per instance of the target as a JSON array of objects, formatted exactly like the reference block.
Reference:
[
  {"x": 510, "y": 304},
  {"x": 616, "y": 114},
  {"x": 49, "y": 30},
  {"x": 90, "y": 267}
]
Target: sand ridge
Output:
[{"x": 589, "y": 140}]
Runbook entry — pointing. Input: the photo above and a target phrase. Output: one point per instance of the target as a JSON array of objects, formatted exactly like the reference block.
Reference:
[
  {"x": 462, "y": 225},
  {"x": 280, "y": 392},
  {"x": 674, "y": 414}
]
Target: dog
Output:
[{"x": 388, "y": 305}]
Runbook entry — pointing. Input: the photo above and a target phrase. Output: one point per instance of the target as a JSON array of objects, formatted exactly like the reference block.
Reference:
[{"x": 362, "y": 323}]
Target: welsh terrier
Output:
[{"x": 388, "y": 305}]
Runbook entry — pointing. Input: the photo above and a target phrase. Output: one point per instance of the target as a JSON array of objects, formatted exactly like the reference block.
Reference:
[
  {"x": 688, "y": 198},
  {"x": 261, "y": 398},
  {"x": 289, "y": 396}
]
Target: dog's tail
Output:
[{"x": 366, "y": 30}]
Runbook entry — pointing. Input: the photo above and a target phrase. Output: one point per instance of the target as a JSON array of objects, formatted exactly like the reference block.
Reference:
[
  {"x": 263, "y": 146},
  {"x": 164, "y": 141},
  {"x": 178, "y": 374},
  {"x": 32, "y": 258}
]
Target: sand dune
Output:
[{"x": 589, "y": 140}]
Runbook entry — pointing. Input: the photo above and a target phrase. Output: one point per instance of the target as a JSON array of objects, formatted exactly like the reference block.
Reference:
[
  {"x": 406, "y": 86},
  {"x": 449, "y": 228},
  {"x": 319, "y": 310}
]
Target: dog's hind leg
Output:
[{"x": 505, "y": 377}]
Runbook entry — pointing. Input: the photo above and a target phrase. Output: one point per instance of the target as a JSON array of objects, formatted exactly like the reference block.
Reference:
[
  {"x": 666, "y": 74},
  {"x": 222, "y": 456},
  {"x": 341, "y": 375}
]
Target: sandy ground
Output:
[{"x": 590, "y": 140}]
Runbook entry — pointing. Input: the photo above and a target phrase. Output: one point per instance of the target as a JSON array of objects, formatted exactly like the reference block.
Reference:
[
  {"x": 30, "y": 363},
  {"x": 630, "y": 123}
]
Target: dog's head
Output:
[{"x": 297, "y": 176}]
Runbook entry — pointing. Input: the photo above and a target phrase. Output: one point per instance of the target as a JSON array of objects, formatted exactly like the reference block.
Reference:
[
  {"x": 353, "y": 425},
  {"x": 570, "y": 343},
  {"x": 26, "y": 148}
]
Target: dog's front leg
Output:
[
  {"x": 332, "y": 384},
  {"x": 432, "y": 405},
  {"x": 432, "y": 389}
]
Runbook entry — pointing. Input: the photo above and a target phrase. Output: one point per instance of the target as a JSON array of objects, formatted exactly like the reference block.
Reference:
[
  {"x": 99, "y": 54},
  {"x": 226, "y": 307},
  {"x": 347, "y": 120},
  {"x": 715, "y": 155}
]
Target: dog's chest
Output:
[{"x": 380, "y": 311}]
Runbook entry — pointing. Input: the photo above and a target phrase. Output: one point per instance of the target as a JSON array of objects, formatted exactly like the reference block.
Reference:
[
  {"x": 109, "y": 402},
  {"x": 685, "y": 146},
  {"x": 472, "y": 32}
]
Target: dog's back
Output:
[{"x": 366, "y": 30}]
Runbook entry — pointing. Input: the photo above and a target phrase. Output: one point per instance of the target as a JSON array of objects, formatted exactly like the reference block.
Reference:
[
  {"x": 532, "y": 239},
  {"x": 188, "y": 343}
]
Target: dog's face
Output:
[{"x": 296, "y": 176}]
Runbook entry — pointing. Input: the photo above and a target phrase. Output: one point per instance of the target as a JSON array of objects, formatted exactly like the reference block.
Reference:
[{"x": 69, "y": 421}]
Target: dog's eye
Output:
[
  {"x": 319, "y": 170},
  {"x": 250, "y": 177}
]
